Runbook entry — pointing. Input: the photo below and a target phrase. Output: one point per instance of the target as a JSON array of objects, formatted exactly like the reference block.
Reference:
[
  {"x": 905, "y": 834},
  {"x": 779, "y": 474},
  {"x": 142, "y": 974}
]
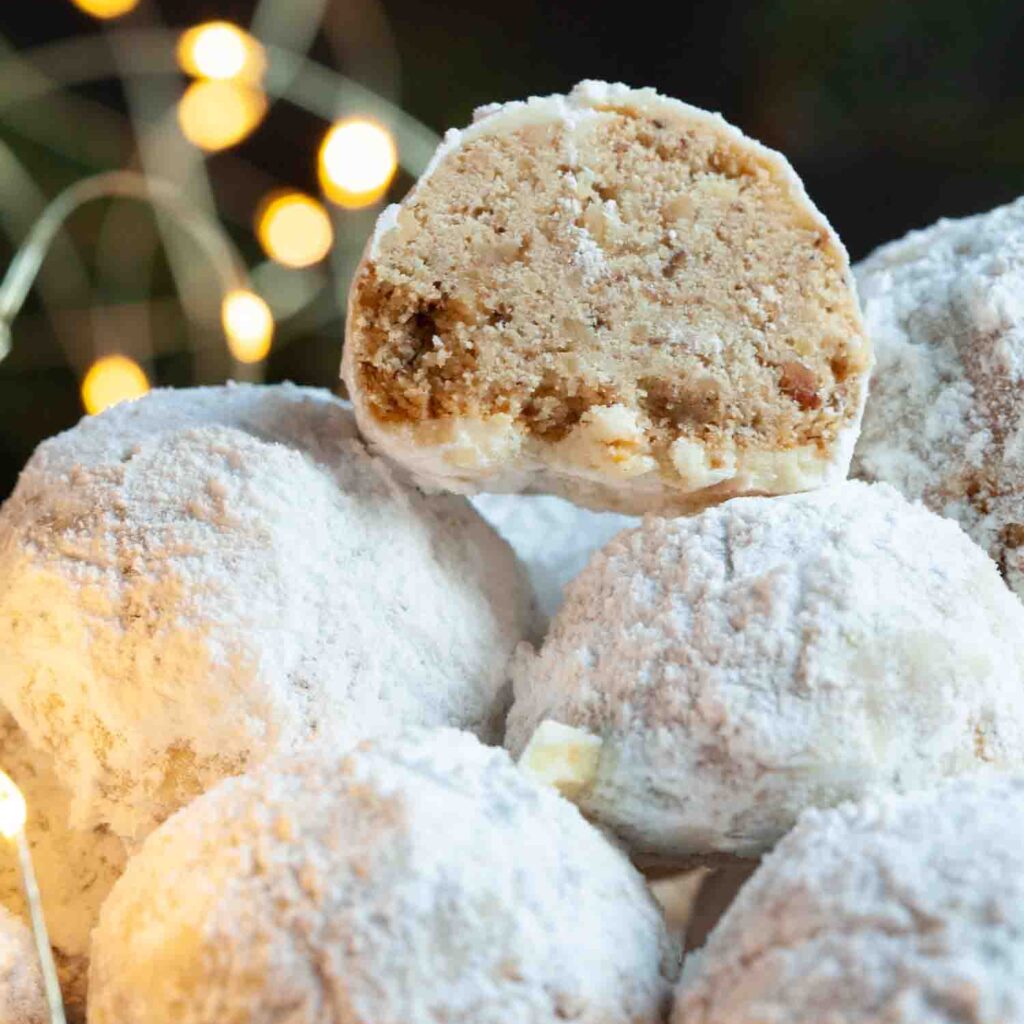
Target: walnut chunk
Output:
[{"x": 799, "y": 383}]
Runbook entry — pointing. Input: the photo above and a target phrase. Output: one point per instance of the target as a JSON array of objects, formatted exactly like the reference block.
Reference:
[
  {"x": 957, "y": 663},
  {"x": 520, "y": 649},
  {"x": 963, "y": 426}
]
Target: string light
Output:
[
  {"x": 220, "y": 50},
  {"x": 215, "y": 115},
  {"x": 106, "y": 8},
  {"x": 357, "y": 163},
  {"x": 13, "y": 815},
  {"x": 248, "y": 325},
  {"x": 294, "y": 229},
  {"x": 112, "y": 379},
  {"x": 13, "y": 811}
]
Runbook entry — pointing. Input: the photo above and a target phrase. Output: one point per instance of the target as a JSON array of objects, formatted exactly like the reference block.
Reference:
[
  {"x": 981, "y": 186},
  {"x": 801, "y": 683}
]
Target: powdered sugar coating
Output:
[
  {"x": 905, "y": 909},
  {"x": 417, "y": 879},
  {"x": 552, "y": 537},
  {"x": 21, "y": 987},
  {"x": 945, "y": 423},
  {"x": 75, "y": 868},
  {"x": 193, "y": 581},
  {"x": 773, "y": 654}
]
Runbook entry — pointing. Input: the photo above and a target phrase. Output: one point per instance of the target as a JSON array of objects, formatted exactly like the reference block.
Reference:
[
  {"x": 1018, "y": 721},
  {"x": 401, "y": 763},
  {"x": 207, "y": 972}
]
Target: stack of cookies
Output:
[{"x": 267, "y": 655}]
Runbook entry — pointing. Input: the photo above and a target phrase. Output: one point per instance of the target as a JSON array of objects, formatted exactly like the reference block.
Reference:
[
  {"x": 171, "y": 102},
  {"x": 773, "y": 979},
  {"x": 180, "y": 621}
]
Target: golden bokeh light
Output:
[
  {"x": 12, "y": 807},
  {"x": 294, "y": 229},
  {"x": 220, "y": 50},
  {"x": 248, "y": 325},
  {"x": 357, "y": 163},
  {"x": 112, "y": 379},
  {"x": 215, "y": 115},
  {"x": 106, "y": 8}
]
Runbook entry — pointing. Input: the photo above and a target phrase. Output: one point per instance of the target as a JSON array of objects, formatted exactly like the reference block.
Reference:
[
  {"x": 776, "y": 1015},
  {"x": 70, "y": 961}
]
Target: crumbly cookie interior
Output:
[{"x": 656, "y": 263}]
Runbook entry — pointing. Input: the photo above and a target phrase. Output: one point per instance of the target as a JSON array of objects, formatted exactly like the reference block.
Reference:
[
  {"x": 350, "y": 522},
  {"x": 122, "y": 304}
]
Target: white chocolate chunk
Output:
[
  {"x": 563, "y": 757},
  {"x": 608, "y": 440},
  {"x": 694, "y": 464}
]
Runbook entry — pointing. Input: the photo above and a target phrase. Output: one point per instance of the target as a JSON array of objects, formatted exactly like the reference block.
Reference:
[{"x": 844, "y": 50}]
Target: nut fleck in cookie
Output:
[{"x": 614, "y": 297}]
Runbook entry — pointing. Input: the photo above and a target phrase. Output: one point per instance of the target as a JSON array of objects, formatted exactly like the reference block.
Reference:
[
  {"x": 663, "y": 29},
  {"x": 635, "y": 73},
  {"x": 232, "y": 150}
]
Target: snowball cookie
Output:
[
  {"x": 75, "y": 868},
  {"x": 611, "y": 296},
  {"x": 708, "y": 678},
  {"x": 197, "y": 579},
  {"x": 903, "y": 910},
  {"x": 22, "y": 1000},
  {"x": 945, "y": 422},
  {"x": 554, "y": 539},
  {"x": 416, "y": 880}
]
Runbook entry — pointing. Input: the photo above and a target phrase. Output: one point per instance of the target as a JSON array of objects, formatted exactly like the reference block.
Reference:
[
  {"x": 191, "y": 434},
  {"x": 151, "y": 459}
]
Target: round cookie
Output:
[
  {"x": 611, "y": 296},
  {"x": 75, "y": 868},
  {"x": 945, "y": 421},
  {"x": 904, "y": 909},
  {"x": 193, "y": 581},
  {"x": 416, "y": 879},
  {"x": 22, "y": 1000},
  {"x": 553, "y": 538},
  {"x": 709, "y": 678}
]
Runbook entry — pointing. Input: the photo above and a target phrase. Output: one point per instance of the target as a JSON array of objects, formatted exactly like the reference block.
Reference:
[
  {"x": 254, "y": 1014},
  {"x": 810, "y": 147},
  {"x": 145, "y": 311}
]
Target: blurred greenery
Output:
[{"x": 894, "y": 113}]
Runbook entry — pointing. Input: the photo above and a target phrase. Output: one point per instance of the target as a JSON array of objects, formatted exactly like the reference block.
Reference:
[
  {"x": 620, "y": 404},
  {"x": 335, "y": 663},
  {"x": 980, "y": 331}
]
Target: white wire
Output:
[
  {"x": 315, "y": 88},
  {"x": 206, "y": 233}
]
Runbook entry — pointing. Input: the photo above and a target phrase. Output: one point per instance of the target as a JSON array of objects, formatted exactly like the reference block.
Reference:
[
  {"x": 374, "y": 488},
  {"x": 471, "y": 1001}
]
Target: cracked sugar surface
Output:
[
  {"x": 415, "y": 879},
  {"x": 944, "y": 422},
  {"x": 196, "y": 580},
  {"x": 907, "y": 909},
  {"x": 776, "y": 653}
]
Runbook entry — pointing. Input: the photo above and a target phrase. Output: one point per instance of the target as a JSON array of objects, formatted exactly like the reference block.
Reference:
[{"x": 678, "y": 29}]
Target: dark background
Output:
[{"x": 893, "y": 113}]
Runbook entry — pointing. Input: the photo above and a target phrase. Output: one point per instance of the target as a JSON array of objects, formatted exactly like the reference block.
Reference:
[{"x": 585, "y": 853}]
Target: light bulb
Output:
[
  {"x": 12, "y": 807},
  {"x": 214, "y": 115},
  {"x": 294, "y": 229},
  {"x": 357, "y": 162},
  {"x": 248, "y": 325},
  {"x": 220, "y": 50},
  {"x": 112, "y": 379},
  {"x": 106, "y": 8}
]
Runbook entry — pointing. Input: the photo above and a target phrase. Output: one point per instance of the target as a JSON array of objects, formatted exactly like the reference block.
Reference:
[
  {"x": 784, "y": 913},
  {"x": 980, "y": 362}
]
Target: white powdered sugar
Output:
[
  {"x": 553, "y": 538},
  {"x": 708, "y": 346},
  {"x": 589, "y": 257},
  {"x": 418, "y": 879},
  {"x": 773, "y": 654},
  {"x": 905, "y": 909},
  {"x": 945, "y": 421},
  {"x": 75, "y": 868},
  {"x": 21, "y": 986},
  {"x": 193, "y": 581}
]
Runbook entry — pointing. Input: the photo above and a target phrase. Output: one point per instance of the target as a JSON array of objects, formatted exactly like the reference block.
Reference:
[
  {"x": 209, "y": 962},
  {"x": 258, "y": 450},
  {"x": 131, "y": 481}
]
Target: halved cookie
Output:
[{"x": 611, "y": 296}]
